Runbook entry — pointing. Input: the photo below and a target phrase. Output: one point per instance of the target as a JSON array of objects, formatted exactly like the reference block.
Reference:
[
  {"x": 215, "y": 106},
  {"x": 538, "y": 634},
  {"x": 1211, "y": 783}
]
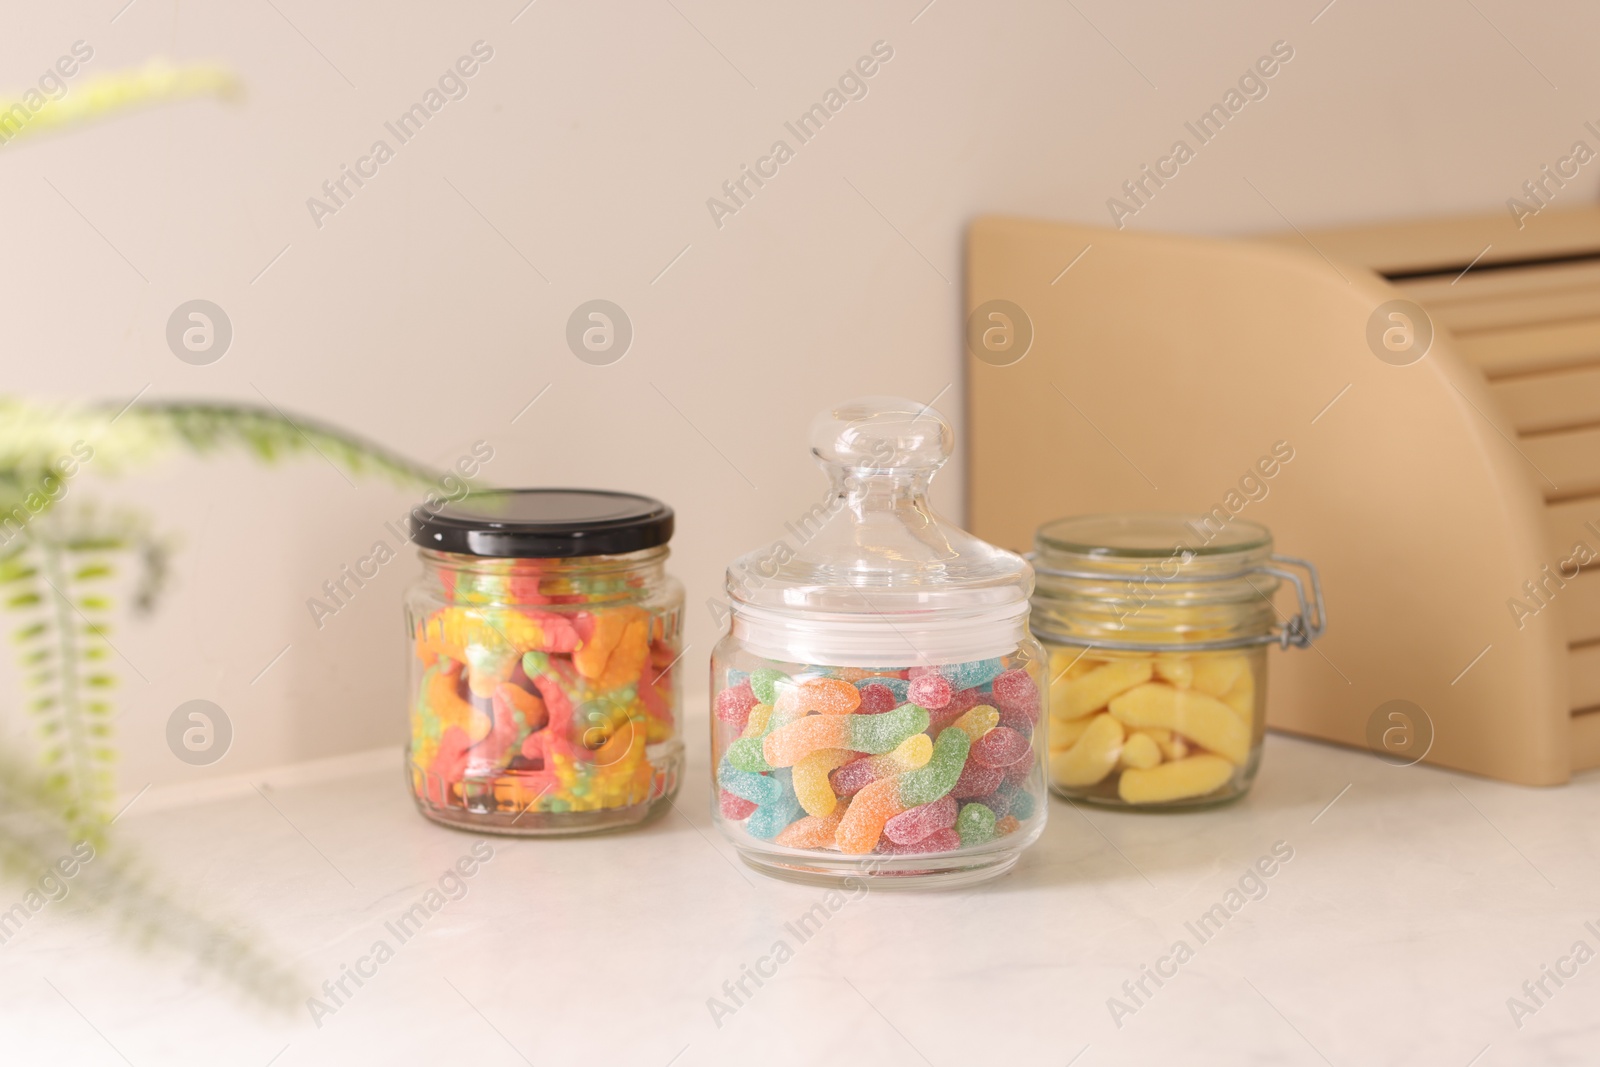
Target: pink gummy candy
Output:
[
  {"x": 734, "y": 808},
  {"x": 733, "y": 705},
  {"x": 977, "y": 780},
  {"x": 913, "y": 825},
  {"x": 1016, "y": 720},
  {"x": 931, "y": 691},
  {"x": 876, "y": 699},
  {"x": 1014, "y": 690},
  {"x": 1017, "y": 773},
  {"x": 853, "y": 777},
  {"x": 1000, "y": 747},
  {"x": 959, "y": 704},
  {"x": 946, "y": 840},
  {"x": 998, "y": 802}
]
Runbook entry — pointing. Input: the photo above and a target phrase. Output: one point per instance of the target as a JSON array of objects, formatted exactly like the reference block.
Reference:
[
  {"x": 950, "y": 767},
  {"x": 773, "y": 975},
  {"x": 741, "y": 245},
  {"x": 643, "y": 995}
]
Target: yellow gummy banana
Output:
[
  {"x": 1139, "y": 752},
  {"x": 1092, "y": 691},
  {"x": 1215, "y": 674},
  {"x": 1242, "y": 697},
  {"x": 1064, "y": 733},
  {"x": 1178, "y": 780},
  {"x": 1093, "y": 757},
  {"x": 1175, "y": 669},
  {"x": 1202, "y": 719}
]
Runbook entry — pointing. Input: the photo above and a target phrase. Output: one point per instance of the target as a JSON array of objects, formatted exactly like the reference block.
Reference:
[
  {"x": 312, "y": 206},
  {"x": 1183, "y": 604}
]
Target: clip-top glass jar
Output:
[
  {"x": 1157, "y": 628},
  {"x": 876, "y": 697},
  {"x": 544, "y": 634}
]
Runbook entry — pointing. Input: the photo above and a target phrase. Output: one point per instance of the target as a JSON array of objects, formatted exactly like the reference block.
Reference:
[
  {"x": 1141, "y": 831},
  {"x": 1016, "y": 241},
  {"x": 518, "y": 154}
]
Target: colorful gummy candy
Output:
[
  {"x": 542, "y": 691},
  {"x": 901, "y": 762}
]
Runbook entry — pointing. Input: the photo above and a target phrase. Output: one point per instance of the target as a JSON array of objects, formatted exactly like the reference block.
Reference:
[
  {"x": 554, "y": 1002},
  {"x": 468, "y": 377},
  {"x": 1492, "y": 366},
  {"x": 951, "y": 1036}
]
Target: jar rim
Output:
[{"x": 1151, "y": 535}]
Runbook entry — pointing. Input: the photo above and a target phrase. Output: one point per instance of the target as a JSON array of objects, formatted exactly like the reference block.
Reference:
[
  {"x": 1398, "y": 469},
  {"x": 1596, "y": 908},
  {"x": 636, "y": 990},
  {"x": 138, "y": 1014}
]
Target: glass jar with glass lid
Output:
[
  {"x": 1157, "y": 629},
  {"x": 877, "y": 697}
]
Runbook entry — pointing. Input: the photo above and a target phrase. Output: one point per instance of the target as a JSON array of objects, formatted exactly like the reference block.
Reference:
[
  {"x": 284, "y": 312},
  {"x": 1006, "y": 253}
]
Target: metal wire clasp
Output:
[{"x": 1306, "y": 626}]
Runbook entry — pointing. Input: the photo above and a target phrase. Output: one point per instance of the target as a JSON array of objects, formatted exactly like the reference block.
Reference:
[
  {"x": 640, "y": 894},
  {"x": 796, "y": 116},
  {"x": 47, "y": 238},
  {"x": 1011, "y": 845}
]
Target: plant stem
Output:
[{"x": 85, "y": 788}]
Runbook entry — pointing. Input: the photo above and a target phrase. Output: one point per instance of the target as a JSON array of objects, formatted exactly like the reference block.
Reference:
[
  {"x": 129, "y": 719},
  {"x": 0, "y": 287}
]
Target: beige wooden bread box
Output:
[{"x": 1445, "y": 486}]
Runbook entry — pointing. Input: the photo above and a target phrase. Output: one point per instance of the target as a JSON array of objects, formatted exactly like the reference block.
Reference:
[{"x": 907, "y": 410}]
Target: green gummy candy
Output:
[
  {"x": 938, "y": 776},
  {"x": 764, "y": 684},
  {"x": 975, "y": 824},
  {"x": 747, "y": 755},
  {"x": 882, "y": 733},
  {"x": 535, "y": 664}
]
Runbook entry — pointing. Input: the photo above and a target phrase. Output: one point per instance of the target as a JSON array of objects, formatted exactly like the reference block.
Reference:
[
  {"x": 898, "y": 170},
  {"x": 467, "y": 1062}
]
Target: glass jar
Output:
[
  {"x": 543, "y": 636},
  {"x": 877, "y": 697},
  {"x": 1157, "y": 628}
]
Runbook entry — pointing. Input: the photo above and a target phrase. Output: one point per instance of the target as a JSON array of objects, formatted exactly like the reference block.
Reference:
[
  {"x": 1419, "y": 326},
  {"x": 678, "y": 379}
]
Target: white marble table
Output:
[{"x": 1415, "y": 904}]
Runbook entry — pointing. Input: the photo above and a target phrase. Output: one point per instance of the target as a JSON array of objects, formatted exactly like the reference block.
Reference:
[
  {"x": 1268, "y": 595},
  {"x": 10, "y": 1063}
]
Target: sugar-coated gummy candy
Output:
[
  {"x": 860, "y": 733},
  {"x": 931, "y": 691},
  {"x": 758, "y": 722},
  {"x": 973, "y": 673},
  {"x": 900, "y": 687},
  {"x": 946, "y": 840},
  {"x": 814, "y": 831},
  {"x": 825, "y": 696},
  {"x": 768, "y": 820},
  {"x": 1007, "y": 825},
  {"x": 1021, "y": 803},
  {"x": 1018, "y": 721},
  {"x": 756, "y": 788},
  {"x": 746, "y": 754},
  {"x": 975, "y": 722},
  {"x": 1015, "y": 690},
  {"x": 977, "y": 780},
  {"x": 884, "y": 799},
  {"x": 975, "y": 824},
  {"x": 733, "y": 807},
  {"x": 914, "y": 824},
  {"x": 929, "y": 783},
  {"x": 1018, "y": 772},
  {"x": 908, "y": 755},
  {"x": 1000, "y": 747},
  {"x": 998, "y": 802},
  {"x": 733, "y": 705},
  {"x": 876, "y": 699},
  {"x": 764, "y": 683},
  {"x": 811, "y": 785}
]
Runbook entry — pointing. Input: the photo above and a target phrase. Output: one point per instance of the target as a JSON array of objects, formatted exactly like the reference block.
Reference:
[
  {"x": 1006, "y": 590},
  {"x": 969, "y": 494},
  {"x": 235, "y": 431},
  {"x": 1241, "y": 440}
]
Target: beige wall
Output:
[{"x": 592, "y": 140}]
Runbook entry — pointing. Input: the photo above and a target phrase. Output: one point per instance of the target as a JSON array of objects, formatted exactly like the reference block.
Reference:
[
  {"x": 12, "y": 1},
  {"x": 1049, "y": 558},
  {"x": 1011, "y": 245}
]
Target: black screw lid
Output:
[{"x": 544, "y": 523}]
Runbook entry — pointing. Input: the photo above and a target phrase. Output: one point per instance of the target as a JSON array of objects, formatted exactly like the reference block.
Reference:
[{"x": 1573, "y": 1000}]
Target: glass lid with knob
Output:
[{"x": 876, "y": 546}]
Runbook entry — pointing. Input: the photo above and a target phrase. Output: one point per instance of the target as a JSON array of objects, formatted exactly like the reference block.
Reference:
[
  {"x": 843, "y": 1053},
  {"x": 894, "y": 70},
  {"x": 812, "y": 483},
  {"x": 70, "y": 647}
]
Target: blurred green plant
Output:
[{"x": 58, "y": 560}]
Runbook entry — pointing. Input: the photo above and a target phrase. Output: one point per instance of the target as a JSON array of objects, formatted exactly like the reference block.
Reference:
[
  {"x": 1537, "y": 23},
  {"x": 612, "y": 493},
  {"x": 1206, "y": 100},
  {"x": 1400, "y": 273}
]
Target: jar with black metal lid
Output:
[{"x": 544, "y": 634}]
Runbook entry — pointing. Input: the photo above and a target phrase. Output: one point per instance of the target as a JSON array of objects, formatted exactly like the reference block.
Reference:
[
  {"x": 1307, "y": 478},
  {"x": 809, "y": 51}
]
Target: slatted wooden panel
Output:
[{"x": 1523, "y": 306}]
